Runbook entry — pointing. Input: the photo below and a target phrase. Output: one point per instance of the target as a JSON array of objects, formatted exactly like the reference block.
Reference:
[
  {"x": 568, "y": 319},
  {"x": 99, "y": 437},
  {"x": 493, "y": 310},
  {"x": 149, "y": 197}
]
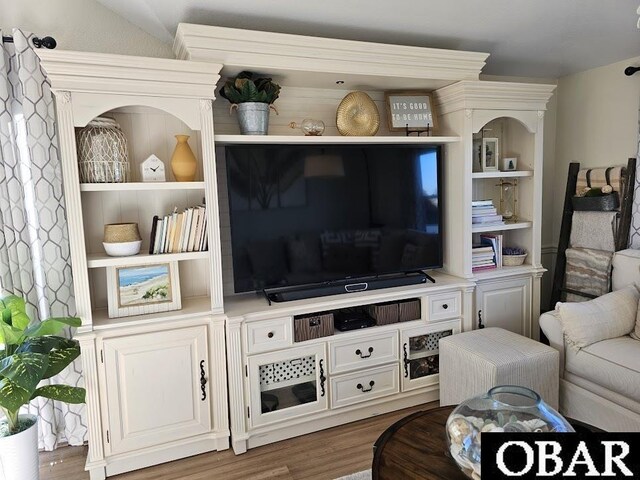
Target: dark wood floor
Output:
[{"x": 322, "y": 455}]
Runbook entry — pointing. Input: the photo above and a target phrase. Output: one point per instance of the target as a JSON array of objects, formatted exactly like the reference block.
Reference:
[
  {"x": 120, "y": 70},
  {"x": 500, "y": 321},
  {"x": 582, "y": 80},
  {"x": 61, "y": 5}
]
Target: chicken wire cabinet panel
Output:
[
  {"x": 420, "y": 365},
  {"x": 287, "y": 384}
]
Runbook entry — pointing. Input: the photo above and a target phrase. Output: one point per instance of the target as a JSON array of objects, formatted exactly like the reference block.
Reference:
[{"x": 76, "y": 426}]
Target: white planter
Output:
[{"x": 19, "y": 454}]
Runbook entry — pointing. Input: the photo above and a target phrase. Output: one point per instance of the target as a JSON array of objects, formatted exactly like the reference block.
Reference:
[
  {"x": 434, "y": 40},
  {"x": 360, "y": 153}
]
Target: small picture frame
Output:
[
  {"x": 411, "y": 112},
  {"x": 490, "y": 154},
  {"x": 509, "y": 164},
  {"x": 143, "y": 289}
]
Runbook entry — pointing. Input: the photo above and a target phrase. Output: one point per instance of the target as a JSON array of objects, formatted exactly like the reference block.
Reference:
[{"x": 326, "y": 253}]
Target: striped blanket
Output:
[
  {"x": 588, "y": 271},
  {"x": 597, "y": 177}
]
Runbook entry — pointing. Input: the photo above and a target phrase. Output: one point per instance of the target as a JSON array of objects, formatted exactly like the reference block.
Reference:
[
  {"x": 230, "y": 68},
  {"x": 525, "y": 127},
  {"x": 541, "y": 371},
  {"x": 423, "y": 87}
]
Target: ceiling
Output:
[{"x": 535, "y": 38}]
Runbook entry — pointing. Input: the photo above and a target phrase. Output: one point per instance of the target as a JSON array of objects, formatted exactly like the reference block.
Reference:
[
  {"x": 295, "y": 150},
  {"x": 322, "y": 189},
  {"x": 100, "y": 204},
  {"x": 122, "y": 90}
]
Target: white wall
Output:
[
  {"x": 596, "y": 125},
  {"x": 597, "y": 122},
  {"x": 80, "y": 25}
]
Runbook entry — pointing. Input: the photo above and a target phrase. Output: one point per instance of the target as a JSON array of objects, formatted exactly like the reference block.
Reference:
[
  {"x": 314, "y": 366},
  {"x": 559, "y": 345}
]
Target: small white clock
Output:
[{"x": 152, "y": 170}]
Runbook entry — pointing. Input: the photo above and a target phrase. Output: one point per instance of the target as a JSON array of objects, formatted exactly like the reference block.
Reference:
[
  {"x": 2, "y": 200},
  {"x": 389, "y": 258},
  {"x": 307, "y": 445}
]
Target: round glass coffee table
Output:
[{"x": 415, "y": 448}]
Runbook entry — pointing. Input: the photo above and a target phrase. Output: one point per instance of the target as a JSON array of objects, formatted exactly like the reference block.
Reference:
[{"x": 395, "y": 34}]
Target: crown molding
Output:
[
  {"x": 91, "y": 72},
  {"x": 278, "y": 53},
  {"x": 493, "y": 95}
]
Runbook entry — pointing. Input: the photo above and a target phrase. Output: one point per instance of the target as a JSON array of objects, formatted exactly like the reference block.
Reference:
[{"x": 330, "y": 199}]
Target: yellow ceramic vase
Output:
[{"x": 183, "y": 161}]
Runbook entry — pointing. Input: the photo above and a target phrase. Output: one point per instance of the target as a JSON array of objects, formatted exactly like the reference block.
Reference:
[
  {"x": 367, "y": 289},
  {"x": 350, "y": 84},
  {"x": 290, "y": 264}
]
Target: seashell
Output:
[
  {"x": 534, "y": 424},
  {"x": 459, "y": 429},
  {"x": 515, "y": 427},
  {"x": 586, "y": 189},
  {"x": 489, "y": 427},
  {"x": 607, "y": 189},
  {"x": 477, "y": 422}
]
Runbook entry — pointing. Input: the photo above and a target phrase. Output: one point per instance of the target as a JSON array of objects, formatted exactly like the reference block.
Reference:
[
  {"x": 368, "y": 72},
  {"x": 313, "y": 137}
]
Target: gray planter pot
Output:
[{"x": 253, "y": 117}]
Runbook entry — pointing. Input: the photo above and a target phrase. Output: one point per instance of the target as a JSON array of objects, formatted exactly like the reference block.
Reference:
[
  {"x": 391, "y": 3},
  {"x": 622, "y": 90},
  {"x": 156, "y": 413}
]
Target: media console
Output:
[{"x": 293, "y": 371}]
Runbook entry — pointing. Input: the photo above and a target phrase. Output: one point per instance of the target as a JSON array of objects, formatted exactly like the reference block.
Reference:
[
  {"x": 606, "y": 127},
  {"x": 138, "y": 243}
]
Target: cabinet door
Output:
[
  {"x": 153, "y": 387},
  {"x": 505, "y": 304},
  {"x": 421, "y": 355},
  {"x": 287, "y": 384}
]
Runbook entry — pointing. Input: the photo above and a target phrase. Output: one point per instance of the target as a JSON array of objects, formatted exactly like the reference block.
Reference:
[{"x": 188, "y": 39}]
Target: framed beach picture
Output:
[{"x": 142, "y": 289}]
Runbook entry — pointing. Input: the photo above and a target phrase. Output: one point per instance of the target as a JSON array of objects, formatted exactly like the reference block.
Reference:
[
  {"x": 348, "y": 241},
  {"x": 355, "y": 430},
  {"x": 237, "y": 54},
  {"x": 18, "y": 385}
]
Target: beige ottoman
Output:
[{"x": 473, "y": 362}]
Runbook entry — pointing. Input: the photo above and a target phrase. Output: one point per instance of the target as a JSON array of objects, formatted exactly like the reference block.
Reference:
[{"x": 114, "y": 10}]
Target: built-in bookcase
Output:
[
  {"x": 148, "y": 131},
  {"x": 514, "y": 140}
]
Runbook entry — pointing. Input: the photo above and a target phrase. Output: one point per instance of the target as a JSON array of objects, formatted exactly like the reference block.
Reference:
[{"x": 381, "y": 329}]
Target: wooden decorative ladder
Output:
[{"x": 622, "y": 237}]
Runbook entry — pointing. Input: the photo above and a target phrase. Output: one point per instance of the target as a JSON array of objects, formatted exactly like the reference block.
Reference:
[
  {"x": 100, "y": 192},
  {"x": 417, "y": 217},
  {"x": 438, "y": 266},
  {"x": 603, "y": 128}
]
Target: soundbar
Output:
[{"x": 287, "y": 294}]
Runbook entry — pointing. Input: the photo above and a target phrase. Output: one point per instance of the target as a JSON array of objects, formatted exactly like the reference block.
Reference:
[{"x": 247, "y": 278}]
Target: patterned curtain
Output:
[
  {"x": 634, "y": 231},
  {"x": 34, "y": 243}
]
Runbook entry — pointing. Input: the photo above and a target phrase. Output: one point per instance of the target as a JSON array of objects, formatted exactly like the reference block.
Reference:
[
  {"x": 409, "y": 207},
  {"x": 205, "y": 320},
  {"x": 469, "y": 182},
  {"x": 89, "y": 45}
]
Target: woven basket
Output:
[
  {"x": 307, "y": 327},
  {"x": 409, "y": 310},
  {"x": 384, "y": 313},
  {"x": 121, "y": 232},
  {"x": 513, "y": 260},
  {"x": 604, "y": 203}
]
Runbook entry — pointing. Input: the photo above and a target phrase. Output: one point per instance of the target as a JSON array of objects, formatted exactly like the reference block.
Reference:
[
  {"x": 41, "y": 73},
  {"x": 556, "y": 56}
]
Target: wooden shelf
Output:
[
  {"x": 331, "y": 139},
  {"x": 192, "y": 307},
  {"x": 503, "y": 272},
  {"x": 512, "y": 174},
  {"x": 288, "y": 383},
  {"x": 499, "y": 228},
  {"x": 98, "y": 260},
  {"x": 419, "y": 355},
  {"x": 140, "y": 186}
]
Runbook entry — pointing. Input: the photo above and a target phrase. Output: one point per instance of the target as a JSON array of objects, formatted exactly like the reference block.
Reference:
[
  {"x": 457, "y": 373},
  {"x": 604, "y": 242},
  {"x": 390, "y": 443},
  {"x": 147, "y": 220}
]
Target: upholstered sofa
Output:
[{"x": 600, "y": 382}]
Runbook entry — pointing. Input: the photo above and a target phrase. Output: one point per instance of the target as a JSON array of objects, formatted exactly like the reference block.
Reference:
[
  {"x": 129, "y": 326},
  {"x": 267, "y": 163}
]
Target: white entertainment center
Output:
[{"x": 170, "y": 385}]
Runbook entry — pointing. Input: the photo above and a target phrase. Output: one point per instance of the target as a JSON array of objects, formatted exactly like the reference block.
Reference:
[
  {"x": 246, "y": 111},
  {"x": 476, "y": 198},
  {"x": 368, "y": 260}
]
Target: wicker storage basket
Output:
[
  {"x": 605, "y": 203},
  {"x": 409, "y": 310},
  {"x": 307, "y": 327},
  {"x": 513, "y": 260},
  {"x": 384, "y": 313}
]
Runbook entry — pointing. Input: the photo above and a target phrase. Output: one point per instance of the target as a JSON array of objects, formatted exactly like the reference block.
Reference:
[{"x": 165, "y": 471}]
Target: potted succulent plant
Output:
[
  {"x": 253, "y": 99},
  {"x": 29, "y": 354}
]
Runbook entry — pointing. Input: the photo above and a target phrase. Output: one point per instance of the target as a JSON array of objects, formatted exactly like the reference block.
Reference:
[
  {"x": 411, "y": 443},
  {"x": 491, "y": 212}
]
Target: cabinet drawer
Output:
[
  {"x": 364, "y": 386},
  {"x": 444, "y": 306},
  {"x": 363, "y": 352},
  {"x": 269, "y": 335}
]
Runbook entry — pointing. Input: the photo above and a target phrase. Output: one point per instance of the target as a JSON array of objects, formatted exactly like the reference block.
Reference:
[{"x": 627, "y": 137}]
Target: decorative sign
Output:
[{"x": 410, "y": 111}]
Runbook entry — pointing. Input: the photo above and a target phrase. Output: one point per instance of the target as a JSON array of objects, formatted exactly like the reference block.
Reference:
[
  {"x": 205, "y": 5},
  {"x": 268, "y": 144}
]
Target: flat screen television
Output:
[{"x": 303, "y": 215}]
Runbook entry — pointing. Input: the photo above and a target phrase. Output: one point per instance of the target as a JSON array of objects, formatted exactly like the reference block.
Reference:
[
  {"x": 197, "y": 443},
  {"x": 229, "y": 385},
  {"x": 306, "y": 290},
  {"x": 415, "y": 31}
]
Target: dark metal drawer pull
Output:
[
  {"x": 203, "y": 381},
  {"x": 365, "y": 390},
  {"x": 359, "y": 352},
  {"x": 270, "y": 334},
  {"x": 445, "y": 306}
]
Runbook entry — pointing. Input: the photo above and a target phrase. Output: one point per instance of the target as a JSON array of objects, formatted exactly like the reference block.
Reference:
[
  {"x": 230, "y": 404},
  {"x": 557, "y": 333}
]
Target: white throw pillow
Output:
[
  {"x": 609, "y": 316},
  {"x": 636, "y": 333}
]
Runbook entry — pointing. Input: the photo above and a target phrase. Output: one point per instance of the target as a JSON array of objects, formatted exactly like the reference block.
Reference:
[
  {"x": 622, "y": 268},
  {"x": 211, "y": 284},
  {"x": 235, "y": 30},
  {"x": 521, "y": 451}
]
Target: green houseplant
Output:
[
  {"x": 252, "y": 98},
  {"x": 28, "y": 355}
]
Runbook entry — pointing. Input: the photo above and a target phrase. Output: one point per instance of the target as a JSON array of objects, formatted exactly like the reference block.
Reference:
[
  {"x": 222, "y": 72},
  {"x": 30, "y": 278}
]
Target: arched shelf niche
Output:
[
  {"x": 152, "y": 130},
  {"x": 515, "y": 138},
  {"x": 183, "y": 109}
]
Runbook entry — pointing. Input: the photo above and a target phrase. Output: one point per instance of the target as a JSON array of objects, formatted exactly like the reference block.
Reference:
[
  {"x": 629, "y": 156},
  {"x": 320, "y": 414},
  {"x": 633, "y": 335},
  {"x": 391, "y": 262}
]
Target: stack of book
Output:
[
  {"x": 484, "y": 214},
  {"x": 482, "y": 258},
  {"x": 180, "y": 232},
  {"x": 494, "y": 242}
]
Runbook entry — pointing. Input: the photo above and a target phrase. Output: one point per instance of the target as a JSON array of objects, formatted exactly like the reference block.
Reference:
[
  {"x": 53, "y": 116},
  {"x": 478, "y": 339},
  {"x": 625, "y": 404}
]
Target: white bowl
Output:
[{"x": 122, "y": 249}]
